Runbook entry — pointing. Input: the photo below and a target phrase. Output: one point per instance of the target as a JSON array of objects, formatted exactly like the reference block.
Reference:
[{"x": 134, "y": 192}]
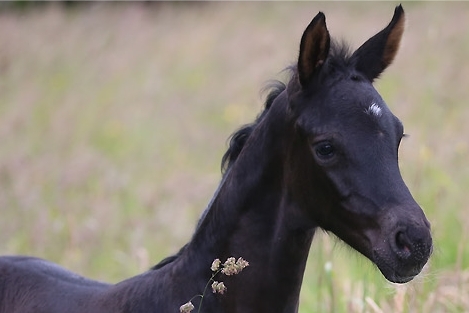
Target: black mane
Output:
[
  {"x": 238, "y": 138},
  {"x": 168, "y": 259}
]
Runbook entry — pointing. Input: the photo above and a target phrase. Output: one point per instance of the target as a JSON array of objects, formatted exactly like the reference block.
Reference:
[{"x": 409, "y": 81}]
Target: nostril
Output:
[{"x": 403, "y": 243}]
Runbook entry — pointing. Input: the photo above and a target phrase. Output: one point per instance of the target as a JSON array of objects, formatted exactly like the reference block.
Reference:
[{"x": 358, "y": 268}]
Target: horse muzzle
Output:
[{"x": 404, "y": 252}]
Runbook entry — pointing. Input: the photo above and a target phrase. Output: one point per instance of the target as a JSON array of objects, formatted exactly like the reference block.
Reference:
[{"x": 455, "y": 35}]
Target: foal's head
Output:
[{"x": 343, "y": 161}]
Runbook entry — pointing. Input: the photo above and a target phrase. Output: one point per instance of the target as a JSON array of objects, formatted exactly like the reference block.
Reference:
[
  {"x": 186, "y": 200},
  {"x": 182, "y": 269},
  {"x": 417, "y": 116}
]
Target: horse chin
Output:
[
  {"x": 395, "y": 272},
  {"x": 395, "y": 277}
]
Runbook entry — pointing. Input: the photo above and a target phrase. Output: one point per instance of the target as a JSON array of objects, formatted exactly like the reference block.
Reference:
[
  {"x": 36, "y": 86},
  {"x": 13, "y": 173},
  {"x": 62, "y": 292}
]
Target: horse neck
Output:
[{"x": 252, "y": 217}]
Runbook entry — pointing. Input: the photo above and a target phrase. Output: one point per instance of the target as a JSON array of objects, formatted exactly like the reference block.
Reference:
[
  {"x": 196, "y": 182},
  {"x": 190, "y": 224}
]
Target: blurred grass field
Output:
[{"x": 114, "y": 118}]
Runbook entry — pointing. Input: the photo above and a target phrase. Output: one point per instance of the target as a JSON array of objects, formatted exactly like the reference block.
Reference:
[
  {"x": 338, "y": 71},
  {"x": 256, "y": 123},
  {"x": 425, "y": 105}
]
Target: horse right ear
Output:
[{"x": 314, "y": 48}]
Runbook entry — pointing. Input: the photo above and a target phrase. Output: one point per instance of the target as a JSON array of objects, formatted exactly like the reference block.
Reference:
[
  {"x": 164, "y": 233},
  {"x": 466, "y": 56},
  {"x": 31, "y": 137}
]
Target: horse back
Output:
[{"x": 30, "y": 284}]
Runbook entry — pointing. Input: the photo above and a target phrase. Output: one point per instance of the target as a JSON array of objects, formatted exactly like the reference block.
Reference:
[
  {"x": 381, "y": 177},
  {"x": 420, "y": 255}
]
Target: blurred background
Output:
[{"x": 114, "y": 118}]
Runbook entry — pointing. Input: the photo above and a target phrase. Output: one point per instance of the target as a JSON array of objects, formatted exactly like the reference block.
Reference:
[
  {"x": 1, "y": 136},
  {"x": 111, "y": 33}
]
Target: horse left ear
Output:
[{"x": 378, "y": 52}]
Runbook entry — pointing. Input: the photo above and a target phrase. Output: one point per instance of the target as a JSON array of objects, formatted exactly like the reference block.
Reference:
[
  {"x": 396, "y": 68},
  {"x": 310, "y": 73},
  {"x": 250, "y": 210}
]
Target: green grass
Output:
[{"x": 114, "y": 118}]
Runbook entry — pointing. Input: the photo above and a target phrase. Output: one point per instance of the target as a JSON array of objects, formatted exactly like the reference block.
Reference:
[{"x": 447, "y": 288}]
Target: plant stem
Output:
[{"x": 205, "y": 289}]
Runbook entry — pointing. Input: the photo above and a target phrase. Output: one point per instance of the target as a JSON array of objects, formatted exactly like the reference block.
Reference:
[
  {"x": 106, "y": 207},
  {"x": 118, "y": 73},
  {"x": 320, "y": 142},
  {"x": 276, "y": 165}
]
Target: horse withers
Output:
[{"x": 322, "y": 154}]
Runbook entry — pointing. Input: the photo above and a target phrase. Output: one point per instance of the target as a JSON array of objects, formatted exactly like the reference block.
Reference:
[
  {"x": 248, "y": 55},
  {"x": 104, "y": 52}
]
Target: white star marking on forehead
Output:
[{"x": 374, "y": 109}]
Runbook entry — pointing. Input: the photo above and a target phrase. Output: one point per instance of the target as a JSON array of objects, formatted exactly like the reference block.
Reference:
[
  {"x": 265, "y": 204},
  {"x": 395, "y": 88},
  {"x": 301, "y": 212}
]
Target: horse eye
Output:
[{"x": 325, "y": 150}]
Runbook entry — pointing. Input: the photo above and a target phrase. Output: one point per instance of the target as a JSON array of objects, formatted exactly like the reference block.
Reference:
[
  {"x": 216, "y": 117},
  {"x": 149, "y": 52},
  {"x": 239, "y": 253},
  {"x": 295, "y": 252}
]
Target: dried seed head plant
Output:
[{"x": 230, "y": 267}]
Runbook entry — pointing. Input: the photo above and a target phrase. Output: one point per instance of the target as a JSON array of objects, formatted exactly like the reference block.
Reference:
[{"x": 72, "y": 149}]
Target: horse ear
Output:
[
  {"x": 379, "y": 51},
  {"x": 314, "y": 48}
]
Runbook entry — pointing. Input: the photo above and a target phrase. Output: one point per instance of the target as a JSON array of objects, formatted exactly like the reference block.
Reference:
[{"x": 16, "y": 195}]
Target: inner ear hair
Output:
[{"x": 394, "y": 39}]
